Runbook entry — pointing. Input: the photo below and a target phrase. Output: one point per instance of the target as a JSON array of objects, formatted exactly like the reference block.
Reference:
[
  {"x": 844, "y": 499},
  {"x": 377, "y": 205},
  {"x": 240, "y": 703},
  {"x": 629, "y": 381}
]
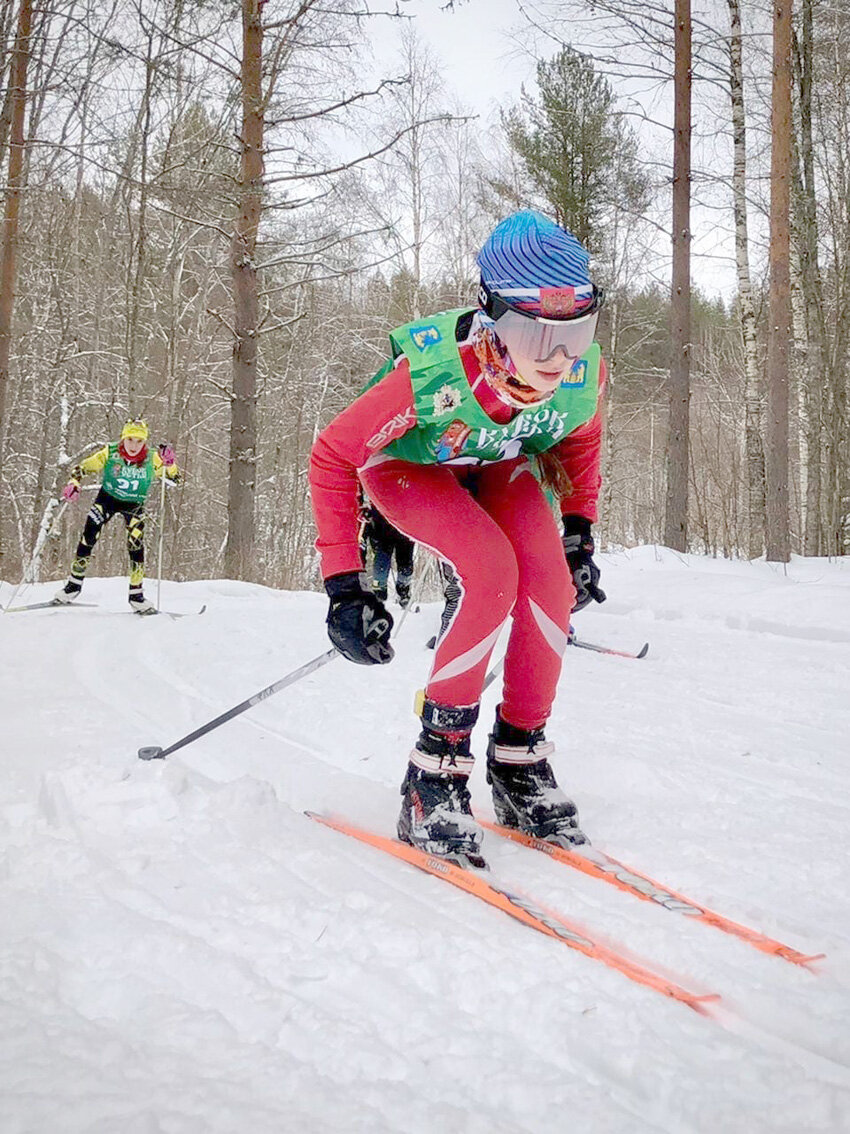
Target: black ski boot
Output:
[
  {"x": 435, "y": 812},
  {"x": 69, "y": 593},
  {"x": 525, "y": 792},
  {"x": 139, "y": 603}
]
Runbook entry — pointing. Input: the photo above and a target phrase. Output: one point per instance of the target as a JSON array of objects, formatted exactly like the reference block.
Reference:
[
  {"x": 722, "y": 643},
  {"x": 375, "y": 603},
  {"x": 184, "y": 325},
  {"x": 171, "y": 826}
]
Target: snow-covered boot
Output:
[
  {"x": 435, "y": 812},
  {"x": 69, "y": 592},
  {"x": 525, "y": 792},
  {"x": 139, "y": 603}
]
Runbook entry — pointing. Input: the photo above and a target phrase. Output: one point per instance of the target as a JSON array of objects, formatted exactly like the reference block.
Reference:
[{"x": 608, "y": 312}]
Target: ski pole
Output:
[
  {"x": 493, "y": 674},
  {"x": 154, "y": 752},
  {"x": 46, "y": 530},
  {"x": 161, "y": 539},
  {"x": 417, "y": 589}
]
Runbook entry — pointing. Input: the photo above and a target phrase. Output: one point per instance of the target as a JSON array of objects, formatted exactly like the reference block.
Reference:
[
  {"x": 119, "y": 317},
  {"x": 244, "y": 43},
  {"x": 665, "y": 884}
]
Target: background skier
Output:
[
  {"x": 387, "y": 542},
  {"x": 441, "y": 442},
  {"x": 129, "y": 469}
]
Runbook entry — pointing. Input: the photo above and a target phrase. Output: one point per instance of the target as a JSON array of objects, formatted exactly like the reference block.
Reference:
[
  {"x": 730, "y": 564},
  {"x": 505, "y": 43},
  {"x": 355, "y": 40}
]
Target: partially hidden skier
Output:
[
  {"x": 449, "y": 440},
  {"x": 129, "y": 468},
  {"x": 387, "y": 542}
]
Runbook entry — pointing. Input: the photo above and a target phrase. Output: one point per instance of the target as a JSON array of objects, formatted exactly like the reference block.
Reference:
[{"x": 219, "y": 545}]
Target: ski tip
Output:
[
  {"x": 802, "y": 960},
  {"x": 151, "y": 752},
  {"x": 703, "y": 1004},
  {"x": 644, "y": 651}
]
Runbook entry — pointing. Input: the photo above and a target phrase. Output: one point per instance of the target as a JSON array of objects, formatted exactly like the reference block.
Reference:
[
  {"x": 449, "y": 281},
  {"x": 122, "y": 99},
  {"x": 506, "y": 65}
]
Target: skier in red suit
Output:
[{"x": 451, "y": 440}]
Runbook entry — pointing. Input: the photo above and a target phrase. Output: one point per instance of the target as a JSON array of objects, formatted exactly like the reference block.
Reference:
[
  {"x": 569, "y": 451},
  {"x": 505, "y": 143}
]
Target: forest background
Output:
[{"x": 214, "y": 212}]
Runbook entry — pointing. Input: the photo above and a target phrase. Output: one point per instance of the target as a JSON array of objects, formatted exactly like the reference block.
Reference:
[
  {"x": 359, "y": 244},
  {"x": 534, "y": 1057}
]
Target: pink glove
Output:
[
  {"x": 71, "y": 491},
  {"x": 166, "y": 454}
]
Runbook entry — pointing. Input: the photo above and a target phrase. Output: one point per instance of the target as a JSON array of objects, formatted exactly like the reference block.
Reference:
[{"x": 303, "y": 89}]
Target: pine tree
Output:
[{"x": 578, "y": 153}]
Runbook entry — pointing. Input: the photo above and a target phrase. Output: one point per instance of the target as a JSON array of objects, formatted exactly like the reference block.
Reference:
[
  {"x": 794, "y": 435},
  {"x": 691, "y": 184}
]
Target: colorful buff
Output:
[
  {"x": 527, "y": 257},
  {"x": 496, "y": 364}
]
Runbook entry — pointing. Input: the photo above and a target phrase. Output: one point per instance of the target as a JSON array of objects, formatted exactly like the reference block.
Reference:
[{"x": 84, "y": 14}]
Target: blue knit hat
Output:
[{"x": 527, "y": 252}]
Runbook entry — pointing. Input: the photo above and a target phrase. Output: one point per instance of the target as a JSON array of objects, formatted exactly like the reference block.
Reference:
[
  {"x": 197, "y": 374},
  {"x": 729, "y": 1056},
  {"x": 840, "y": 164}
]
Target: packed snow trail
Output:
[{"x": 184, "y": 951}]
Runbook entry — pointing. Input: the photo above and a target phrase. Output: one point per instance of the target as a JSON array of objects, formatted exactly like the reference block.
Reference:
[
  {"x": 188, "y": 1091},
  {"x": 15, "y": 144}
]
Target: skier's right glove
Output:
[
  {"x": 578, "y": 549},
  {"x": 359, "y": 624},
  {"x": 71, "y": 491}
]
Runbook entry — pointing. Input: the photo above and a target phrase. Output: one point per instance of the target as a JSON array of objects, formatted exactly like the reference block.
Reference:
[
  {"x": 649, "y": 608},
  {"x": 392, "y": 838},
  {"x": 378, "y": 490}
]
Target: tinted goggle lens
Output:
[{"x": 541, "y": 338}]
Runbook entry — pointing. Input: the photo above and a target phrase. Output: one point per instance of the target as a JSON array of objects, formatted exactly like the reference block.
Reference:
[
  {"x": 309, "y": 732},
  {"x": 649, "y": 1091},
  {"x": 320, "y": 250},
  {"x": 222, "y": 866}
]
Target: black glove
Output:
[
  {"x": 579, "y": 548},
  {"x": 358, "y": 622}
]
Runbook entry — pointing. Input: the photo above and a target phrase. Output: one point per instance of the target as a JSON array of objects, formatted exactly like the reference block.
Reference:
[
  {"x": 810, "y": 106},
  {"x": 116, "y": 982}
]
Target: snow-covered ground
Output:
[{"x": 183, "y": 951}]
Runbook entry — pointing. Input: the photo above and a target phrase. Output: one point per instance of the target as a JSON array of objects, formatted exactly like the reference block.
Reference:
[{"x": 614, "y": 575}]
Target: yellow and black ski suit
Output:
[{"x": 129, "y": 482}]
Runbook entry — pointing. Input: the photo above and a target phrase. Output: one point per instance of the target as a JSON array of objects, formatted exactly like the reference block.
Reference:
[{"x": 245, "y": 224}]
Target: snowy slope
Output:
[{"x": 182, "y": 951}]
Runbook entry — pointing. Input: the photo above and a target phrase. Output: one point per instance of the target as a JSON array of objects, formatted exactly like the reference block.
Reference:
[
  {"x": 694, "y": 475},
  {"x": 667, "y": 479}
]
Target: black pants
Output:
[
  {"x": 385, "y": 542},
  {"x": 100, "y": 513}
]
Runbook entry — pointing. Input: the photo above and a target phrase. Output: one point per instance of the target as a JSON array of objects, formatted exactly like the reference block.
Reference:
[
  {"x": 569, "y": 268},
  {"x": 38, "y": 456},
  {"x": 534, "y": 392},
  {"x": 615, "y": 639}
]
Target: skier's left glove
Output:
[
  {"x": 169, "y": 458},
  {"x": 578, "y": 549},
  {"x": 359, "y": 624}
]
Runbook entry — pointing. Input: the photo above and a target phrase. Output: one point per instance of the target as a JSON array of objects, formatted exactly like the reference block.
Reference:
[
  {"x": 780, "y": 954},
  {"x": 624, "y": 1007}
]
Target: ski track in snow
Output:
[{"x": 184, "y": 952}]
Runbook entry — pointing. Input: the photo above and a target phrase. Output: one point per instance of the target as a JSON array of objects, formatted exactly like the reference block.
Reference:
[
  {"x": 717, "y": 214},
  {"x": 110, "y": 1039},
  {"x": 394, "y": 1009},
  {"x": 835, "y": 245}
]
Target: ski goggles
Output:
[{"x": 538, "y": 337}]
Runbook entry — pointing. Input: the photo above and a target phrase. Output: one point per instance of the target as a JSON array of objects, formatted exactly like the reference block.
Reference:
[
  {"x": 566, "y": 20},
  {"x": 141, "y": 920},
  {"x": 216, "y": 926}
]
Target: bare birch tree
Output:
[{"x": 753, "y": 416}]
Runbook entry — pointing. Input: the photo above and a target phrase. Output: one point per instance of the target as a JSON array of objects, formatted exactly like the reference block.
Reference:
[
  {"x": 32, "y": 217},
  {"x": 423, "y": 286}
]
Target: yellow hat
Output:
[{"x": 137, "y": 429}]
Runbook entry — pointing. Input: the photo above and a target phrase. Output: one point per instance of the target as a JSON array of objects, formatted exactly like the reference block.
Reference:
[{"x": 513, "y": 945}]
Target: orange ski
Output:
[
  {"x": 523, "y": 909},
  {"x": 600, "y": 865}
]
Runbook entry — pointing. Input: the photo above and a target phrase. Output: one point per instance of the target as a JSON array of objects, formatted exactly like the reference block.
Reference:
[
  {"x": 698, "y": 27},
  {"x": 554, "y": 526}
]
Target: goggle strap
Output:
[{"x": 495, "y": 306}]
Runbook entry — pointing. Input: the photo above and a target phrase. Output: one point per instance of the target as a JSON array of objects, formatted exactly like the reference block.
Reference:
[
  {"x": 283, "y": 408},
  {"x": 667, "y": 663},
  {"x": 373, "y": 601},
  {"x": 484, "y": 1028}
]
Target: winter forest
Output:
[{"x": 214, "y": 212}]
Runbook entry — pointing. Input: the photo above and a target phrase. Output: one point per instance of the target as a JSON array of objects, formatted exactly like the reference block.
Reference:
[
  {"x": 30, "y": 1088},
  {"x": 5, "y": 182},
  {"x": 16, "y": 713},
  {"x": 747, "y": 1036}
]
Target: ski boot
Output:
[
  {"x": 379, "y": 591},
  {"x": 69, "y": 592},
  {"x": 139, "y": 604},
  {"x": 435, "y": 812},
  {"x": 402, "y": 590},
  {"x": 526, "y": 795}
]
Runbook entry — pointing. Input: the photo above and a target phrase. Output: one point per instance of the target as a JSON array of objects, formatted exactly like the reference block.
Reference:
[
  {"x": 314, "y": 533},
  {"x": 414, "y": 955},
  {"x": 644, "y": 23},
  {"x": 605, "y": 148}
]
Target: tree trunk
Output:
[
  {"x": 139, "y": 252},
  {"x": 814, "y": 374},
  {"x": 15, "y": 180},
  {"x": 239, "y": 549},
  {"x": 753, "y": 445},
  {"x": 676, "y": 518},
  {"x": 776, "y": 439}
]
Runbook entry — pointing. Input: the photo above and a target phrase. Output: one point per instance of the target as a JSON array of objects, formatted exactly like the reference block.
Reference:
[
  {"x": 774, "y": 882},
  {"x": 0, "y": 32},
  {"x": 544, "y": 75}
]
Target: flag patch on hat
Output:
[{"x": 557, "y": 302}]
